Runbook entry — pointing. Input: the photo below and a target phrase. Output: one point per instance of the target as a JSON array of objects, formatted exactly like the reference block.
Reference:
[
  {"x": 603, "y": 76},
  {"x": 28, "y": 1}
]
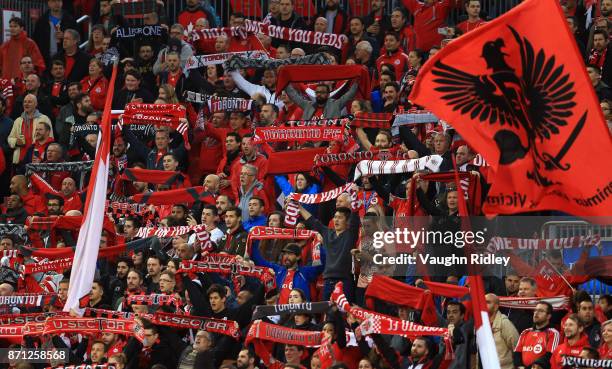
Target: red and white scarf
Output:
[
  {"x": 318, "y": 198},
  {"x": 497, "y": 244},
  {"x": 557, "y": 302},
  {"x": 198, "y": 61},
  {"x": 371, "y": 167}
]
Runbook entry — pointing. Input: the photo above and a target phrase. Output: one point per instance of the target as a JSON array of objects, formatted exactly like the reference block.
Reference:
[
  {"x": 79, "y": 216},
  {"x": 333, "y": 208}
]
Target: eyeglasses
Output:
[
  {"x": 166, "y": 280},
  {"x": 247, "y": 174}
]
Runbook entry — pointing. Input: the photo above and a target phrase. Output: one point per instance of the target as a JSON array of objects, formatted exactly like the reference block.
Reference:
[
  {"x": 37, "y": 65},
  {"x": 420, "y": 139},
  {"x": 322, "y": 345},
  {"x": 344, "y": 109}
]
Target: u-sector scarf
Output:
[
  {"x": 313, "y": 73},
  {"x": 557, "y": 302},
  {"x": 372, "y": 167},
  {"x": 198, "y": 61},
  {"x": 239, "y": 62},
  {"x": 274, "y": 233},
  {"x": 262, "y": 311}
]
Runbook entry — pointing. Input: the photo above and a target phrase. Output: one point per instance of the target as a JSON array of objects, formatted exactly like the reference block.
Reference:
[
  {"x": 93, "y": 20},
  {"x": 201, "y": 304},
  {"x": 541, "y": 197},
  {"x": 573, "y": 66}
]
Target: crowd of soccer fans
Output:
[{"x": 53, "y": 88}]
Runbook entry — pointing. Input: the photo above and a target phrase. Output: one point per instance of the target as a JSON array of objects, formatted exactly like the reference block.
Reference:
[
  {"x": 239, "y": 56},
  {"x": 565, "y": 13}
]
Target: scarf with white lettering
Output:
[
  {"x": 146, "y": 31},
  {"x": 347, "y": 158},
  {"x": 578, "y": 362},
  {"x": 497, "y": 244},
  {"x": 198, "y": 61},
  {"x": 21, "y": 319},
  {"x": 296, "y": 35},
  {"x": 56, "y": 265},
  {"x": 154, "y": 299},
  {"x": 159, "y": 115},
  {"x": 93, "y": 326},
  {"x": 298, "y": 134},
  {"x": 74, "y": 166},
  {"x": 165, "y": 232},
  {"x": 262, "y": 311},
  {"x": 557, "y": 302},
  {"x": 263, "y": 331},
  {"x": 218, "y": 103},
  {"x": 85, "y": 366},
  {"x": 221, "y": 326},
  {"x": 375, "y": 167},
  {"x": 28, "y": 299},
  {"x": 273, "y": 233},
  {"x": 317, "y": 198}
]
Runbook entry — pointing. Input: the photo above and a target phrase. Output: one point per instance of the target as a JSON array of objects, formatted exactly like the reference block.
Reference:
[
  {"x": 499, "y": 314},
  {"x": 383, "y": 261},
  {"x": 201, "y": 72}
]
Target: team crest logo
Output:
[
  {"x": 537, "y": 349},
  {"x": 538, "y": 102}
]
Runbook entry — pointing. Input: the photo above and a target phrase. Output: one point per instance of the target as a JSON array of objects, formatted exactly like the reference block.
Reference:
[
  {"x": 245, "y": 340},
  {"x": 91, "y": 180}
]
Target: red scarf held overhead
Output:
[
  {"x": 162, "y": 177},
  {"x": 314, "y": 73},
  {"x": 372, "y": 120},
  {"x": 159, "y": 115},
  {"x": 473, "y": 193},
  {"x": 221, "y": 326},
  {"x": 261, "y": 330},
  {"x": 284, "y": 162},
  {"x": 273, "y": 233},
  {"x": 298, "y": 134},
  {"x": 56, "y": 265},
  {"x": 171, "y": 197}
]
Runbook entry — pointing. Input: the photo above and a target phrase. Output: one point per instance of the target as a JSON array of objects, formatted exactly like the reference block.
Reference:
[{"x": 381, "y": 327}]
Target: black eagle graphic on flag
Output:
[{"x": 539, "y": 102}]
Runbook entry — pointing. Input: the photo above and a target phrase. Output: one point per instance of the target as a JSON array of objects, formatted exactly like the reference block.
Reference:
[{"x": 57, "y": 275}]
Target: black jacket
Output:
[
  {"x": 81, "y": 65},
  {"x": 123, "y": 97},
  {"x": 42, "y": 31}
]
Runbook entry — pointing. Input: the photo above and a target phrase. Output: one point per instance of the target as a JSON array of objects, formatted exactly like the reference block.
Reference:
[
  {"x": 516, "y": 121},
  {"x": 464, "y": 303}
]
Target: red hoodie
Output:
[{"x": 567, "y": 349}]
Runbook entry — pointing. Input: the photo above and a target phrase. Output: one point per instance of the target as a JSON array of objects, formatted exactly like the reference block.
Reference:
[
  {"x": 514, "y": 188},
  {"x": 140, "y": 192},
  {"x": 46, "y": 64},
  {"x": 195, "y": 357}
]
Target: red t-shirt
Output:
[
  {"x": 533, "y": 344},
  {"x": 467, "y": 26},
  {"x": 565, "y": 349}
]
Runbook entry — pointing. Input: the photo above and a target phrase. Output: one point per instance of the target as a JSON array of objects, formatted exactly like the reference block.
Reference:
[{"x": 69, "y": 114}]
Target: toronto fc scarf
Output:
[
  {"x": 294, "y": 161},
  {"x": 497, "y": 244},
  {"x": 171, "y": 197},
  {"x": 372, "y": 167},
  {"x": 262, "y": 311},
  {"x": 221, "y": 326},
  {"x": 557, "y": 302},
  {"x": 275, "y": 333},
  {"x": 417, "y": 117},
  {"x": 162, "y": 177},
  {"x": 160, "y": 115},
  {"x": 231, "y": 268},
  {"x": 317, "y": 198},
  {"x": 56, "y": 265},
  {"x": 578, "y": 362},
  {"x": 28, "y": 299},
  {"x": 131, "y": 32},
  {"x": 372, "y": 120},
  {"x": 314, "y": 73},
  {"x": 218, "y": 103},
  {"x": 296, "y": 35},
  {"x": 154, "y": 299},
  {"x": 347, "y": 158},
  {"x": 239, "y": 62},
  {"x": 198, "y": 61},
  {"x": 298, "y": 134}
]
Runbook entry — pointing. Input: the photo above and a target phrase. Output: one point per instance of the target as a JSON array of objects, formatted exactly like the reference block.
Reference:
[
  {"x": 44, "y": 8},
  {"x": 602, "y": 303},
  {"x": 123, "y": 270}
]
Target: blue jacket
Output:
[
  {"x": 252, "y": 222},
  {"x": 286, "y": 188},
  {"x": 303, "y": 276}
]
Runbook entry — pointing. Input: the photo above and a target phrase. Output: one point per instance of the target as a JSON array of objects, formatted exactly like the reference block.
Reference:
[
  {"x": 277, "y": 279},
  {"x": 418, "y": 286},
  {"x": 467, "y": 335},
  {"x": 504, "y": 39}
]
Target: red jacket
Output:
[
  {"x": 427, "y": 20},
  {"x": 398, "y": 59},
  {"x": 565, "y": 349},
  {"x": 97, "y": 90},
  {"x": 16, "y": 48}
]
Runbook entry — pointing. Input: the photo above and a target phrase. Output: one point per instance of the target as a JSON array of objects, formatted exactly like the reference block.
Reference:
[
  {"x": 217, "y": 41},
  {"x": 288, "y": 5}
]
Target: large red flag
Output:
[{"x": 521, "y": 97}]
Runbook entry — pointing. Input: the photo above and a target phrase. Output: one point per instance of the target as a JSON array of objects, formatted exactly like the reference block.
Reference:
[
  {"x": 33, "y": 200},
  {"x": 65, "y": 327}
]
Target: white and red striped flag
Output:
[
  {"x": 88, "y": 243},
  {"x": 484, "y": 335}
]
